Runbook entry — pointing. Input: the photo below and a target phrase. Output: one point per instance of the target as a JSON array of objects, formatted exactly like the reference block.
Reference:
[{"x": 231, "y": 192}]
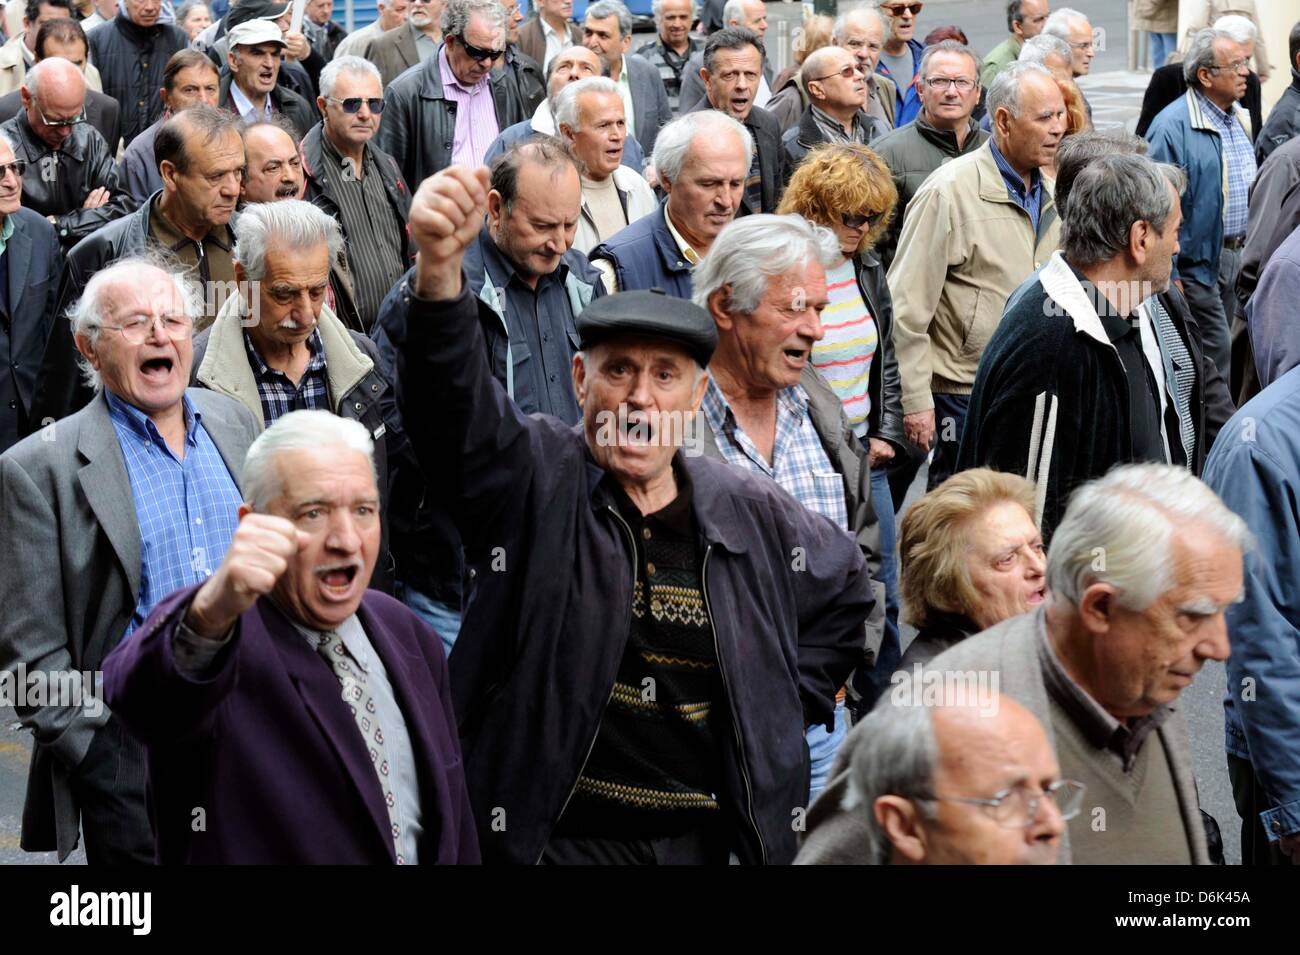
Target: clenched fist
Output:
[
  {"x": 446, "y": 215},
  {"x": 259, "y": 555}
]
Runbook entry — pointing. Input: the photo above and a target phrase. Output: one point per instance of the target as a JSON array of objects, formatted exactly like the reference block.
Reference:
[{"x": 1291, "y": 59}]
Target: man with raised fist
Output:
[
  {"x": 289, "y": 714},
  {"x": 621, "y": 694}
]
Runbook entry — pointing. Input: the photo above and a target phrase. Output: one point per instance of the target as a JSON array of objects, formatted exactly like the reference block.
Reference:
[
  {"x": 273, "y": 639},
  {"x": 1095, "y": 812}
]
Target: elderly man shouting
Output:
[
  {"x": 623, "y": 570},
  {"x": 234, "y": 685}
]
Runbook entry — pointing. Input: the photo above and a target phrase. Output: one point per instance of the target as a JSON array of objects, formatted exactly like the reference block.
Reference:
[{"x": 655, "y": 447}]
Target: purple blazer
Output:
[{"x": 270, "y": 753}]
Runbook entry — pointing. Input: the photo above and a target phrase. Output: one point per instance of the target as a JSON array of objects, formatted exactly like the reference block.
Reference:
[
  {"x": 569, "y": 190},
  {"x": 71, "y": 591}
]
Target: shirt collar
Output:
[
  {"x": 167, "y": 235},
  {"x": 244, "y": 104},
  {"x": 1220, "y": 117},
  {"x": 351, "y": 633},
  {"x": 449, "y": 78},
  {"x": 142, "y": 426},
  {"x": 793, "y": 400},
  {"x": 5, "y": 232},
  {"x": 689, "y": 254},
  {"x": 1012, "y": 178},
  {"x": 314, "y": 345}
]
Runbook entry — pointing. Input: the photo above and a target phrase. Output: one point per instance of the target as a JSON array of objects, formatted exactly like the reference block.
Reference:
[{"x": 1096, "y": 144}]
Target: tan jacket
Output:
[
  {"x": 965, "y": 247},
  {"x": 13, "y": 68},
  {"x": 1156, "y": 16}
]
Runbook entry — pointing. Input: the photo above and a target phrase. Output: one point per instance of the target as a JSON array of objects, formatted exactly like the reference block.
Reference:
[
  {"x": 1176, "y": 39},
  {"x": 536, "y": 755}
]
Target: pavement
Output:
[{"x": 1116, "y": 98}]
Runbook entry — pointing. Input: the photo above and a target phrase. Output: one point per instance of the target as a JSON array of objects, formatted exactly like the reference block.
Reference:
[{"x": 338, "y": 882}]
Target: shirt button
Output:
[
  {"x": 1277, "y": 826},
  {"x": 198, "y": 520},
  {"x": 645, "y": 533}
]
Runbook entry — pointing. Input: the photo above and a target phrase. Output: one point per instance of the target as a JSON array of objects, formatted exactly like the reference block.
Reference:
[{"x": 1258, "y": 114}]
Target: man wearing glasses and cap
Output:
[
  {"x": 250, "y": 89},
  {"x": 70, "y": 176},
  {"x": 453, "y": 106},
  {"x": 622, "y": 697}
]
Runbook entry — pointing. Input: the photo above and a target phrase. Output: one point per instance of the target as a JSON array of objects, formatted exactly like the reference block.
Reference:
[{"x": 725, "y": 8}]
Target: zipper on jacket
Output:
[
  {"x": 631, "y": 539},
  {"x": 735, "y": 723}
]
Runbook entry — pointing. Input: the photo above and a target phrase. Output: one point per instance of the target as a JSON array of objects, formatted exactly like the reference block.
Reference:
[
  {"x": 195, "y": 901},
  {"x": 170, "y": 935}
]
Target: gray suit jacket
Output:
[
  {"x": 1010, "y": 648},
  {"x": 394, "y": 52},
  {"x": 71, "y": 578},
  {"x": 649, "y": 100}
]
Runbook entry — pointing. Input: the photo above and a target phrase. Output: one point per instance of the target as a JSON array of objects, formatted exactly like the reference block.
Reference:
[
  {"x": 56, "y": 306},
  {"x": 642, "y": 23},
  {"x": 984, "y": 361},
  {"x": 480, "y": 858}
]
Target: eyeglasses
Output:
[
  {"x": 940, "y": 83},
  {"x": 1233, "y": 67},
  {"x": 58, "y": 123},
  {"x": 849, "y": 72},
  {"x": 478, "y": 54},
  {"x": 1017, "y": 808},
  {"x": 897, "y": 9},
  {"x": 136, "y": 329},
  {"x": 1084, "y": 45},
  {"x": 858, "y": 220},
  {"x": 17, "y": 167},
  {"x": 353, "y": 104}
]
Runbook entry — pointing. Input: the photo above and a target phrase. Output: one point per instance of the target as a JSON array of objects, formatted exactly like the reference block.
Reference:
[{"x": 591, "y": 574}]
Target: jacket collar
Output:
[
  {"x": 1196, "y": 114},
  {"x": 74, "y": 146},
  {"x": 946, "y": 139},
  {"x": 107, "y": 487},
  {"x": 136, "y": 33},
  {"x": 1062, "y": 286}
]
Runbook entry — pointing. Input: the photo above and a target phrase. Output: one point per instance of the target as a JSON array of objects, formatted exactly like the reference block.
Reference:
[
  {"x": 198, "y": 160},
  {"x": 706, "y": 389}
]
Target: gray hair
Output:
[
  {"x": 1004, "y": 91},
  {"x": 1119, "y": 530},
  {"x": 86, "y": 314},
  {"x": 1108, "y": 195},
  {"x": 1038, "y": 48},
  {"x": 657, "y": 10},
  {"x": 842, "y": 22},
  {"x": 949, "y": 46},
  {"x": 734, "y": 10},
  {"x": 185, "y": 9},
  {"x": 1200, "y": 53},
  {"x": 749, "y": 251},
  {"x": 288, "y": 224},
  {"x": 674, "y": 141},
  {"x": 892, "y": 751},
  {"x": 604, "y": 9},
  {"x": 566, "y": 110},
  {"x": 1058, "y": 24},
  {"x": 298, "y": 431},
  {"x": 8, "y": 141},
  {"x": 456, "y": 16},
  {"x": 1238, "y": 27},
  {"x": 353, "y": 66}
]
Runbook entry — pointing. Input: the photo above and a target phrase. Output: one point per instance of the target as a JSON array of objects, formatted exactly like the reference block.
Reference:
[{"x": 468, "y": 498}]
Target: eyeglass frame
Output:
[
  {"x": 370, "y": 102},
  {"x": 947, "y": 81},
  {"x": 1032, "y": 804},
  {"x": 147, "y": 322},
  {"x": 1230, "y": 67},
  {"x": 851, "y": 69},
  {"x": 19, "y": 167},
  {"x": 913, "y": 8},
  {"x": 477, "y": 53},
  {"x": 62, "y": 123}
]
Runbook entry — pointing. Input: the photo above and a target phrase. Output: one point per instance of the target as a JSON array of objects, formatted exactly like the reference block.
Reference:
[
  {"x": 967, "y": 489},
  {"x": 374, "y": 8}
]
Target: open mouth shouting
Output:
[
  {"x": 339, "y": 582},
  {"x": 158, "y": 369}
]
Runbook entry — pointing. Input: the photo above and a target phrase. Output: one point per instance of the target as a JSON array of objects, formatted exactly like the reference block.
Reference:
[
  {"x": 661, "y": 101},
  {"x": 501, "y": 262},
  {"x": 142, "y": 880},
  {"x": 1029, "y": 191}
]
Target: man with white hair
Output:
[
  {"x": 607, "y": 31},
  {"x": 1203, "y": 132},
  {"x": 354, "y": 181},
  {"x": 749, "y": 15},
  {"x": 314, "y": 715},
  {"x": 702, "y": 160},
  {"x": 104, "y": 514},
  {"x": 966, "y": 782},
  {"x": 71, "y": 177},
  {"x": 389, "y": 15},
  {"x": 1073, "y": 27},
  {"x": 862, "y": 33},
  {"x": 1025, "y": 20},
  {"x": 1051, "y": 401},
  {"x": 673, "y": 45},
  {"x": 590, "y": 116},
  {"x": 1140, "y": 574},
  {"x": 769, "y": 410},
  {"x": 617, "y": 514},
  {"x": 974, "y": 231}
]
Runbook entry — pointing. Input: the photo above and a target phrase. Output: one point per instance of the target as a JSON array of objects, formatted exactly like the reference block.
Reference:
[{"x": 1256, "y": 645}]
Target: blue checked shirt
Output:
[
  {"x": 279, "y": 395},
  {"x": 799, "y": 462},
  {"x": 186, "y": 509},
  {"x": 1239, "y": 156}
]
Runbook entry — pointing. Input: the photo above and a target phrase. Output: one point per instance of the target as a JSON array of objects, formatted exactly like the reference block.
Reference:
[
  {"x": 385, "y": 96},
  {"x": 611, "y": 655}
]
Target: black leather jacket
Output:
[
  {"x": 885, "y": 420},
  {"x": 56, "y": 183},
  {"x": 420, "y": 122}
]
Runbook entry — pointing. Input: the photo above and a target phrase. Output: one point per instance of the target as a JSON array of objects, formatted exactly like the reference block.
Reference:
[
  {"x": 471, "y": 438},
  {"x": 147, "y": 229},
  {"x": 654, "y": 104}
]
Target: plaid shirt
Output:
[
  {"x": 670, "y": 65},
  {"x": 1239, "y": 156},
  {"x": 279, "y": 395},
  {"x": 799, "y": 462},
  {"x": 186, "y": 509}
]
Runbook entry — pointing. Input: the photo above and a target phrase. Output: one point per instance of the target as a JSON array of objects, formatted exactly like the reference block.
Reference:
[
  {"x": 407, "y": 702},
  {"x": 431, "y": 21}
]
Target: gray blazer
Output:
[
  {"x": 649, "y": 100},
  {"x": 1010, "y": 648},
  {"x": 70, "y": 576}
]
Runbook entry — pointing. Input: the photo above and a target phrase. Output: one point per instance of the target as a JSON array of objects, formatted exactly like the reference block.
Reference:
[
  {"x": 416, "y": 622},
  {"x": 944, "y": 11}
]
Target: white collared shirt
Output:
[
  {"x": 247, "y": 111},
  {"x": 555, "y": 41}
]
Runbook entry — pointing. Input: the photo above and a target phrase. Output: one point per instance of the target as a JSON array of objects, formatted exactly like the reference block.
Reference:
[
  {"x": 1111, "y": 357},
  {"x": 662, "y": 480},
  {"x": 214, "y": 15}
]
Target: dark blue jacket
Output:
[
  {"x": 30, "y": 270},
  {"x": 1255, "y": 468},
  {"x": 545, "y": 626},
  {"x": 907, "y": 101},
  {"x": 645, "y": 255}
]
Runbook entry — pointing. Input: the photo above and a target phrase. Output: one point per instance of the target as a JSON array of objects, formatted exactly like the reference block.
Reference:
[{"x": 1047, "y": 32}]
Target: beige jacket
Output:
[
  {"x": 965, "y": 247},
  {"x": 1156, "y": 16},
  {"x": 13, "y": 68}
]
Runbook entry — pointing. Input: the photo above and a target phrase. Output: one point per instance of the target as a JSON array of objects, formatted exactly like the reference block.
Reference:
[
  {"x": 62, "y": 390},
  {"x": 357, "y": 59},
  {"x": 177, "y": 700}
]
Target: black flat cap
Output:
[{"x": 653, "y": 313}]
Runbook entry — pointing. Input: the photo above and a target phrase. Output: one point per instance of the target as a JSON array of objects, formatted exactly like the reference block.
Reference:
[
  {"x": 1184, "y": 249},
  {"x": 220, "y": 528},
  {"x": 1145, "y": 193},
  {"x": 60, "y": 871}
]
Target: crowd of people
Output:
[{"x": 471, "y": 439}]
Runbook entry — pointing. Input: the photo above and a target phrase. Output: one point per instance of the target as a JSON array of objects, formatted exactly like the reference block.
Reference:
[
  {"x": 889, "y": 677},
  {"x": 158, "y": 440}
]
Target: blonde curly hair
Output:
[{"x": 842, "y": 178}]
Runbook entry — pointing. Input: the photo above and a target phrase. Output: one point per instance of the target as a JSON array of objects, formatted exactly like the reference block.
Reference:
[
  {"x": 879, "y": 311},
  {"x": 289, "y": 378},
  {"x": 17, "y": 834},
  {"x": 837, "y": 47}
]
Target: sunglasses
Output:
[
  {"x": 17, "y": 167},
  {"x": 353, "y": 104},
  {"x": 849, "y": 72},
  {"x": 478, "y": 54},
  {"x": 59, "y": 123},
  {"x": 857, "y": 220},
  {"x": 896, "y": 10}
]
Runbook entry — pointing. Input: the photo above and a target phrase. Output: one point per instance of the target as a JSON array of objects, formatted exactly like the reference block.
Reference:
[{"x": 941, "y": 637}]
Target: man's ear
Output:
[
  {"x": 579, "y": 378},
  {"x": 719, "y": 303},
  {"x": 87, "y": 350},
  {"x": 495, "y": 207},
  {"x": 1097, "y": 608},
  {"x": 320, "y": 105},
  {"x": 1002, "y": 123},
  {"x": 701, "y": 387},
  {"x": 901, "y": 822}
]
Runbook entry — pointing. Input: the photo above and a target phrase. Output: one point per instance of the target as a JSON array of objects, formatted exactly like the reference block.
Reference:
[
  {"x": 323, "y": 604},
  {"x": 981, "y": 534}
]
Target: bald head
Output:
[{"x": 53, "y": 91}]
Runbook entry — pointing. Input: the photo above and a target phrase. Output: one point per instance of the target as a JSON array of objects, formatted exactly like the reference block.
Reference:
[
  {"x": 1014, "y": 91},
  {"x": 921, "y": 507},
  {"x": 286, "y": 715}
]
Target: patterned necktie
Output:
[
  {"x": 754, "y": 186},
  {"x": 356, "y": 694}
]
